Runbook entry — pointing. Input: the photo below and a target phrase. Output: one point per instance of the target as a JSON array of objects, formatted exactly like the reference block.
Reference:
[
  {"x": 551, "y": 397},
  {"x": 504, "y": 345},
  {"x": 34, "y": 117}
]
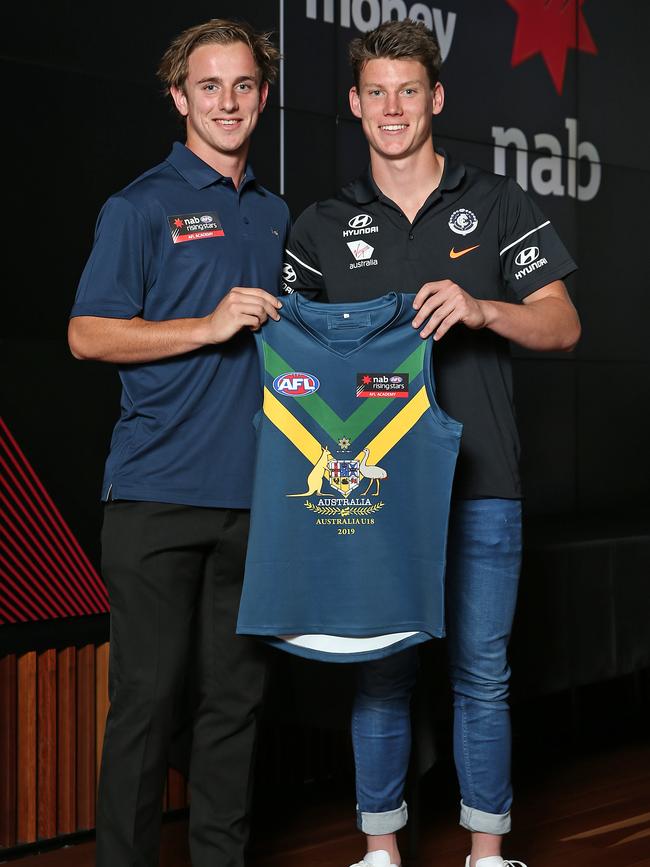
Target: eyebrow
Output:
[
  {"x": 213, "y": 79},
  {"x": 402, "y": 83}
]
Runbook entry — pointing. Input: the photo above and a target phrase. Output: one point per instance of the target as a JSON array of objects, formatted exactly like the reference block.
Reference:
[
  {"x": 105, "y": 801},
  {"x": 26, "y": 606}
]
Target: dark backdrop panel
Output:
[
  {"x": 613, "y": 466},
  {"x": 614, "y": 267},
  {"x": 613, "y": 89},
  {"x": 545, "y": 394},
  {"x": 87, "y": 117}
]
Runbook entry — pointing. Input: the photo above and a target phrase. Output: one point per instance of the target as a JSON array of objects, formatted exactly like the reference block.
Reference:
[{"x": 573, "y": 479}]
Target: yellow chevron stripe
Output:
[
  {"x": 400, "y": 425},
  {"x": 303, "y": 440},
  {"x": 296, "y": 432}
]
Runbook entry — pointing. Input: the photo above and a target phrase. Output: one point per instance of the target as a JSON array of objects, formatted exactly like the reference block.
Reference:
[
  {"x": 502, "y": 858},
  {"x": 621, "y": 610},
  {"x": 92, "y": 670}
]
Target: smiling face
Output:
[
  {"x": 395, "y": 103},
  {"x": 221, "y": 100}
]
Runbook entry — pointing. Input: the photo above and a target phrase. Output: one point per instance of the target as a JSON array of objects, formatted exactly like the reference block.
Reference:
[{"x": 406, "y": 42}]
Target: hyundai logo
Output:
[
  {"x": 360, "y": 221},
  {"x": 288, "y": 273},
  {"x": 527, "y": 256}
]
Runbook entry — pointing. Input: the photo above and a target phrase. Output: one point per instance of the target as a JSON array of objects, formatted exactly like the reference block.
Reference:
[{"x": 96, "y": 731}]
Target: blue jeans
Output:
[{"x": 483, "y": 562}]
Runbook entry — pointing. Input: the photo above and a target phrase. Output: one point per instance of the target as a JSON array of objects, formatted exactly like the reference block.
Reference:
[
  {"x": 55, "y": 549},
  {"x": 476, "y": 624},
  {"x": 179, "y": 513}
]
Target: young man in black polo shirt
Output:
[{"x": 489, "y": 267}]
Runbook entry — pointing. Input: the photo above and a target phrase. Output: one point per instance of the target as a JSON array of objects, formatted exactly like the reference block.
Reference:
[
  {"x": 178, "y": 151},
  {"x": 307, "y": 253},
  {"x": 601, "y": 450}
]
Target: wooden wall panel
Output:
[
  {"x": 8, "y": 739},
  {"x": 46, "y": 738},
  {"x": 67, "y": 741},
  {"x": 101, "y": 700},
  {"x": 26, "y": 776},
  {"x": 53, "y": 707},
  {"x": 86, "y": 743}
]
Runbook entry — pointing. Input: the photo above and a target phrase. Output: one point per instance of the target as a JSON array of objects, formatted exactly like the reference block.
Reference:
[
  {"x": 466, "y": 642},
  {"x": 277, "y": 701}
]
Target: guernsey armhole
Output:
[
  {"x": 343, "y": 644},
  {"x": 437, "y": 412}
]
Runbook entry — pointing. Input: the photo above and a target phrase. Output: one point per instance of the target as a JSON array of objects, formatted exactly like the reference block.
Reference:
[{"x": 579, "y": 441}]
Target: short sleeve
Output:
[
  {"x": 532, "y": 254},
  {"x": 302, "y": 272},
  {"x": 113, "y": 281}
]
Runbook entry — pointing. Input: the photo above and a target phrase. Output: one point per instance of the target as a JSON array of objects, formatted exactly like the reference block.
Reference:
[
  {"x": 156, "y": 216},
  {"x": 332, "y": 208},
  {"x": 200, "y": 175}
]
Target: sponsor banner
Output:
[
  {"x": 382, "y": 385},
  {"x": 194, "y": 227}
]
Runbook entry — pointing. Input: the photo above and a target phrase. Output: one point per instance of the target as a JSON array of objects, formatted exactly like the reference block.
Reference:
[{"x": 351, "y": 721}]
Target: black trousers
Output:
[{"x": 174, "y": 577}]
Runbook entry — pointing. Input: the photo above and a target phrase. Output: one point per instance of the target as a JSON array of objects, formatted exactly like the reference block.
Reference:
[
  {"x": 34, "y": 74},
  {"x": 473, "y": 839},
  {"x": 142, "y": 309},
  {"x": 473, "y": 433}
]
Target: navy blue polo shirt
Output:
[{"x": 169, "y": 246}]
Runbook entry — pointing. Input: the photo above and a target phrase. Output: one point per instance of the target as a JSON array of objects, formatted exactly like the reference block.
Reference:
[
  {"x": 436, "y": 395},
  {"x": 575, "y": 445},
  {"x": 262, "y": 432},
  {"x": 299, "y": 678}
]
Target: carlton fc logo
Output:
[
  {"x": 296, "y": 384},
  {"x": 463, "y": 221}
]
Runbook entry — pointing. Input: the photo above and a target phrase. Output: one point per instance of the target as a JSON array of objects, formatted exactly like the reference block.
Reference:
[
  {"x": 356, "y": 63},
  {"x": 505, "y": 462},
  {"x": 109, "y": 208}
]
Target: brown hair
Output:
[
  {"x": 173, "y": 67},
  {"x": 397, "y": 40}
]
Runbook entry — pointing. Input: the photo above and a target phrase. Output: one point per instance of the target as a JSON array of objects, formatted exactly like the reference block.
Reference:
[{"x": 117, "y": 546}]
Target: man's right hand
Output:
[
  {"x": 242, "y": 307},
  {"x": 138, "y": 341}
]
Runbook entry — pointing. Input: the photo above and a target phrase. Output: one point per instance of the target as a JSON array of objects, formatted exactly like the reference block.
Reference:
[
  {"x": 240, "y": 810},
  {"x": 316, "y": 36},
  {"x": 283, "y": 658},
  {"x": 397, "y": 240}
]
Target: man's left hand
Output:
[{"x": 443, "y": 303}]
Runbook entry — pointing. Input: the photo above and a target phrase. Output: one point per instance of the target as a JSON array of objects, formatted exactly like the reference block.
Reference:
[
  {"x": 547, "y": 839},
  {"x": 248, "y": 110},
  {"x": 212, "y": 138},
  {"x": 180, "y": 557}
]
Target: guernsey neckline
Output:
[{"x": 359, "y": 307}]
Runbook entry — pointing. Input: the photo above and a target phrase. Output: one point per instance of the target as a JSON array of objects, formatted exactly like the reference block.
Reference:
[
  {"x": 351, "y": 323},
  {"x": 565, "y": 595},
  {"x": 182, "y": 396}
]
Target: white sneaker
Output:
[
  {"x": 494, "y": 861},
  {"x": 379, "y": 858}
]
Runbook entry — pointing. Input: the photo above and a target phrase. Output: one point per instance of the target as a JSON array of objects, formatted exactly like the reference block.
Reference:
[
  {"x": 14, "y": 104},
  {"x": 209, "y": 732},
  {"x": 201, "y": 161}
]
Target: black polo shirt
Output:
[{"x": 480, "y": 230}]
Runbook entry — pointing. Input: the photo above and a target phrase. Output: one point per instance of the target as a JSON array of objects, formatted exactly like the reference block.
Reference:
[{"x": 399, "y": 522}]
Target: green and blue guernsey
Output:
[{"x": 355, "y": 462}]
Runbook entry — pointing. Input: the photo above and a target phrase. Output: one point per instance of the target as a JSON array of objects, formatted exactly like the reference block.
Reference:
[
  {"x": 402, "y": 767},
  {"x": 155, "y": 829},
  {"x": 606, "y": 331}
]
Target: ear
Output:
[
  {"x": 355, "y": 102},
  {"x": 438, "y": 98},
  {"x": 264, "y": 94},
  {"x": 180, "y": 100}
]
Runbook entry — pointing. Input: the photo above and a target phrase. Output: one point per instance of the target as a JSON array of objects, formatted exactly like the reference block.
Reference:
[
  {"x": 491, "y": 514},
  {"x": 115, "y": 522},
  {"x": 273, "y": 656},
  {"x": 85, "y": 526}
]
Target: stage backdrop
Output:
[{"x": 548, "y": 91}]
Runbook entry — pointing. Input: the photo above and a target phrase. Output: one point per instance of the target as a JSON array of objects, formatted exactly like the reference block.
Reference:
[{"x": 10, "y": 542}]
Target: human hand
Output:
[
  {"x": 443, "y": 303},
  {"x": 242, "y": 307}
]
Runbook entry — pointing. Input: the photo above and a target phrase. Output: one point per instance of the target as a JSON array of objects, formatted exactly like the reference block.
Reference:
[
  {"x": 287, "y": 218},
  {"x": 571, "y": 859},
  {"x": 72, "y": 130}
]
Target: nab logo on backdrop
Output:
[
  {"x": 550, "y": 29},
  {"x": 295, "y": 384}
]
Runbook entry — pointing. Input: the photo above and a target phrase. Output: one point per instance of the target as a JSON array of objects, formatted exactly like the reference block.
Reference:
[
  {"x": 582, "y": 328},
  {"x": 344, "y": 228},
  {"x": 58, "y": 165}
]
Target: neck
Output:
[
  {"x": 229, "y": 165},
  {"x": 409, "y": 181}
]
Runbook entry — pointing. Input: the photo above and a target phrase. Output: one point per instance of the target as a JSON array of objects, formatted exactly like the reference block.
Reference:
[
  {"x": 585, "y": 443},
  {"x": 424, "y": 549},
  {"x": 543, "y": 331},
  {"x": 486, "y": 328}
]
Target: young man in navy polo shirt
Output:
[
  {"x": 487, "y": 267},
  {"x": 186, "y": 263}
]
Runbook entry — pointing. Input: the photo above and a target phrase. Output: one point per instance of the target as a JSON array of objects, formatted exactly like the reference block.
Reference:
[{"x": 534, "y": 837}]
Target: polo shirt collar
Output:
[
  {"x": 198, "y": 173},
  {"x": 364, "y": 189}
]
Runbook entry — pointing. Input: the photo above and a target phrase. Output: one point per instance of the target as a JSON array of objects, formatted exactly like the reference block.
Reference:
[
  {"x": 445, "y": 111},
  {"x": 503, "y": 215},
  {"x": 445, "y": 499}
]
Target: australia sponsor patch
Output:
[
  {"x": 382, "y": 385},
  {"x": 194, "y": 227}
]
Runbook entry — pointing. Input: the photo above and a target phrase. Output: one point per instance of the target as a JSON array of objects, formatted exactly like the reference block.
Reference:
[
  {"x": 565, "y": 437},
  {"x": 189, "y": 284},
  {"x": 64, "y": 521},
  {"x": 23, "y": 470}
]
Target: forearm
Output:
[
  {"x": 546, "y": 324},
  {"x": 133, "y": 341}
]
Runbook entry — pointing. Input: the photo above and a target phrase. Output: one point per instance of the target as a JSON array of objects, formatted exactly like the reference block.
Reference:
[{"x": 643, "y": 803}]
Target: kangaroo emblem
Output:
[{"x": 315, "y": 477}]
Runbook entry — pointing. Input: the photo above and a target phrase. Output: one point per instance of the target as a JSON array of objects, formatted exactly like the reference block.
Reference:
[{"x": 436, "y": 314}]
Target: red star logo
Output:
[
  {"x": 178, "y": 223},
  {"x": 550, "y": 28},
  {"x": 366, "y": 380}
]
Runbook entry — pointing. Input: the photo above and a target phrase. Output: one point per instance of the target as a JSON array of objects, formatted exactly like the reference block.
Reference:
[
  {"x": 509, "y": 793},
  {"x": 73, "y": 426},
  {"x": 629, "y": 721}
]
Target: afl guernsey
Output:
[{"x": 355, "y": 462}]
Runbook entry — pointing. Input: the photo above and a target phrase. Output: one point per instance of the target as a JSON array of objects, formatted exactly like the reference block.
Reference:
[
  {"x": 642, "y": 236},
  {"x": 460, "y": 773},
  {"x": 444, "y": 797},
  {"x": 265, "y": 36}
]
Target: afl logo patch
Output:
[
  {"x": 463, "y": 221},
  {"x": 295, "y": 384}
]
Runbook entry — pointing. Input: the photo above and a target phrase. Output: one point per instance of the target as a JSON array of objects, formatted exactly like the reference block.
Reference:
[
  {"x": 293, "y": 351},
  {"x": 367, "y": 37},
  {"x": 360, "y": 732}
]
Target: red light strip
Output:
[
  {"x": 40, "y": 541},
  {"x": 51, "y": 604},
  {"x": 47, "y": 571},
  {"x": 95, "y": 584},
  {"x": 62, "y": 552}
]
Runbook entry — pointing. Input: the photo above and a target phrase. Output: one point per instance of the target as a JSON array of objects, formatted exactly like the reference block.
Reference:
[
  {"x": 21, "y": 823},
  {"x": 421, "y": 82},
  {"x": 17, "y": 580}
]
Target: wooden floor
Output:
[{"x": 592, "y": 811}]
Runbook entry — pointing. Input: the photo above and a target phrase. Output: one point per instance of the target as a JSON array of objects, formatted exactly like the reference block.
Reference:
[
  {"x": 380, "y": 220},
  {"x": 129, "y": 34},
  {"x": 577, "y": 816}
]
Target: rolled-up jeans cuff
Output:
[
  {"x": 484, "y": 823},
  {"x": 382, "y": 823}
]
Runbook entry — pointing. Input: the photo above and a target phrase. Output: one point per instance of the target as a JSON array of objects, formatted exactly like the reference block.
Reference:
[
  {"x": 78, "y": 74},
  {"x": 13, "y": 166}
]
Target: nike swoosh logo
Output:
[{"x": 455, "y": 254}]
